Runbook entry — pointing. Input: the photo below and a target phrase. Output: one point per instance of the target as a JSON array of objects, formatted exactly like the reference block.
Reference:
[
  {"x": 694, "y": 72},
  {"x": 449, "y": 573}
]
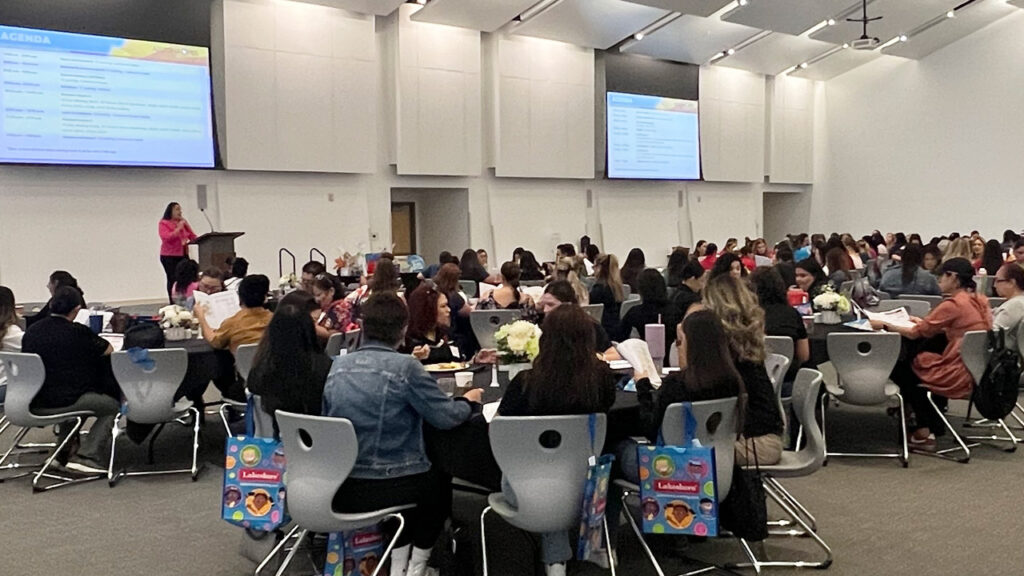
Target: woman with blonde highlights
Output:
[{"x": 743, "y": 320}]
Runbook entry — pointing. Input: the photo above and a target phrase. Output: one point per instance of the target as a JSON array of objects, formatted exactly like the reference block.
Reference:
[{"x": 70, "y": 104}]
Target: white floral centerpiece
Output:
[
  {"x": 831, "y": 304},
  {"x": 518, "y": 344},
  {"x": 288, "y": 282},
  {"x": 176, "y": 322}
]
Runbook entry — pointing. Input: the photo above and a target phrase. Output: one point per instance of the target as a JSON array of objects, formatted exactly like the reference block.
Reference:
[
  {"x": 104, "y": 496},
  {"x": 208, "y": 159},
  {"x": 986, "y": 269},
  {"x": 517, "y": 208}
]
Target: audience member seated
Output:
[
  {"x": 908, "y": 276},
  {"x": 561, "y": 292},
  {"x": 78, "y": 377},
  {"x": 387, "y": 396},
  {"x": 743, "y": 321},
  {"x": 239, "y": 270},
  {"x": 810, "y": 277},
  {"x": 693, "y": 278},
  {"x": 838, "y": 263},
  {"x": 529, "y": 268},
  {"x": 566, "y": 378},
  {"x": 673, "y": 272},
  {"x": 1009, "y": 283},
  {"x": 290, "y": 367},
  {"x": 57, "y": 279},
  {"x": 631, "y": 268},
  {"x": 728, "y": 263},
  {"x": 10, "y": 333},
  {"x": 335, "y": 311},
  {"x": 507, "y": 295},
  {"x": 472, "y": 269},
  {"x": 781, "y": 319},
  {"x": 248, "y": 324},
  {"x": 699, "y": 249},
  {"x": 481, "y": 255},
  {"x": 1018, "y": 252},
  {"x": 992, "y": 259},
  {"x": 460, "y": 330},
  {"x": 654, "y": 308},
  {"x": 746, "y": 256},
  {"x": 801, "y": 247},
  {"x": 186, "y": 279},
  {"x": 930, "y": 259},
  {"x": 932, "y": 355},
  {"x": 445, "y": 258},
  {"x": 977, "y": 251},
  {"x": 429, "y": 321},
  {"x": 564, "y": 270},
  {"x": 710, "y": 256},
  {"x": 785, "y": 265},
  {"x": 385, "y": 279},
  {"x": 608, "y": 290},
  {"x": 958, "y": 248},
  {"x": 310, "y": 270},
  {"x": 852, "y": 251}
]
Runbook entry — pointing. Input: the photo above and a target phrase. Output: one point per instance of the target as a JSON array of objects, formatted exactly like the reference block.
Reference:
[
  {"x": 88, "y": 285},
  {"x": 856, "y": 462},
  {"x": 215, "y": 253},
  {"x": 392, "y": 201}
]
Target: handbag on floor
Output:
[
  {"x": 254, "y": 490},
  {"x": 744, "y": 511},
  {"x": 595, "y": 499},
  {"x": 354, "y": 553},
  {"x": 678, "y": 485}
]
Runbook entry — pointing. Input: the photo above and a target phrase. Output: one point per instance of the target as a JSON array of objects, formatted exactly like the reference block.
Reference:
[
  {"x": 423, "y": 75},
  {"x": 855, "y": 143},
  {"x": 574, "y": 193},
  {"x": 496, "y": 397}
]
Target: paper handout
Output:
[
  {"x": 899, "y": 317},
  {"x": 636, "y": 352},
  {"x": 219, "y": 307}
]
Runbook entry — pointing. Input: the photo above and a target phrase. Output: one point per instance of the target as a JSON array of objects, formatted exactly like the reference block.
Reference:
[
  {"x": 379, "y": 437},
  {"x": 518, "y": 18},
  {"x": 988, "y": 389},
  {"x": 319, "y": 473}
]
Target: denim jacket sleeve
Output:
[{"x": 433, "y": 405}]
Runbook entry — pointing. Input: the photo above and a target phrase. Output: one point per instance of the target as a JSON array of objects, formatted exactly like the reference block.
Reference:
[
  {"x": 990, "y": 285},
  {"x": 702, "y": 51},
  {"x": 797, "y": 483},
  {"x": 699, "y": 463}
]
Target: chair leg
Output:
[
  {"x": 17, "y": 439},
  {"x": 961, "y": 445},
  {"x": 608, "y": 543},
  {"x": 903, "y": 432},
  {"x": 1013, "y": 440},
  {"x": 62, "y": 480},
  {"x": 795, "y": 504},
  {"x": 276, "y": 550},
  {"x": 640, "y": 536},
  {"x": 111, "y": 477},
  {"x": 223, "y": 411},
  {"x": 824, "y": 428},
  {"x": 483, "y": 538},
  {"x": 757, "y": 565},
  {"x": 291, "y": 553},
  {"x": 195, "y": 443},
  {"x": 391, "y": 545}
]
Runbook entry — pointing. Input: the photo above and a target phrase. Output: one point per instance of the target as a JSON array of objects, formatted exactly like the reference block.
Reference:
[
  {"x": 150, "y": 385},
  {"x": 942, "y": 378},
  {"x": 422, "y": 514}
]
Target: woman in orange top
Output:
[{"x": 937, "y": 363}]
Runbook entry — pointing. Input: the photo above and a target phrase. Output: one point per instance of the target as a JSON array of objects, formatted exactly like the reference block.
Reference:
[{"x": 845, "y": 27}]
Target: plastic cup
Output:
[
  {"x": 447, "y": 386},
  {"x": 463, "y": 382}
]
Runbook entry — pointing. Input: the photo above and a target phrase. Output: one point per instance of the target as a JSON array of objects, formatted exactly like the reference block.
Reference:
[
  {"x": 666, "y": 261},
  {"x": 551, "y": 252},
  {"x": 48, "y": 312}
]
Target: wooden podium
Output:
[{"x": 215, "y": 248}]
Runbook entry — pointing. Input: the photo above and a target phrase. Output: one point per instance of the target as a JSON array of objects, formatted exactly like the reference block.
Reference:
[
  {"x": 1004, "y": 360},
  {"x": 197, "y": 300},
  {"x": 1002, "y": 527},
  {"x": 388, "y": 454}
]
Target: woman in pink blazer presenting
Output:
[{"x": 175, "y": 234}]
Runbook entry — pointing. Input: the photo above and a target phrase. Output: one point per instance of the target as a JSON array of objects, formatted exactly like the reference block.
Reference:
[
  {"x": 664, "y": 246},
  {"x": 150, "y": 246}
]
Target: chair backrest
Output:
[
  {"x": 716, "y": 427},
  {"x": 262, "y": 423},
  {"x": 486, "y": 322},
  {"x": 863, "y": 362},
  {"x": 469, "y": 287},
  {"x": 334, "y": 343},
  {"x": 931, "y": 299},
  {"x": 673, "y": 355},
  {"x": 856, "y": 274},
  {"x": 805, "y": 400},
  {"x": 244, "y": 357},
  {"x": 996, "y": 302},
  {"x": 918, "y": 308},
  {"x": 544, "y": 461},
  {"x": 320, "y": 452},
  {"x": 626, "y": 290},
  {"x": 588, "y": 282},
  {"x": 782, "y": 345},
  {"x": 532, "y": 283},
  {"x": 776, "y": 365},
  {"x": 596, "y": 311},
  {"x": 883, "y": 295},
  {"x": 846, "y": 288},
  {"x": 148, "y": 389},
  {"x": 25, "y": 376},
  {"x": 352, "y": 339},
  {"x": 626, "y": 306},
  {"x": 984, "y": 283},
  {"x": 975, "y": 353}
]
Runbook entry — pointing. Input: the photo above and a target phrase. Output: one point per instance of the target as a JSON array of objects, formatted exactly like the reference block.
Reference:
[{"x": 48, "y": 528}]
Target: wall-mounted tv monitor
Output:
[
  {"x": 93, "y": 100},
  {"x": 652, "y": 137}
]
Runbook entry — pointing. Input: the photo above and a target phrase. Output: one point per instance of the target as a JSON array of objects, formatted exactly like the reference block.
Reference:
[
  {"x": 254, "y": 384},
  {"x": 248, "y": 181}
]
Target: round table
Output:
[
  {"x": 206, "y": 364},
  {"x": 817, "y": 337}
]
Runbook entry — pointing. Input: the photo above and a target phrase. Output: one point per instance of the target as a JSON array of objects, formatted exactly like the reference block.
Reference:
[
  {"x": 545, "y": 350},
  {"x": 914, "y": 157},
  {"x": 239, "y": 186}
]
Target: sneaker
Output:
[
  {"x": 85, "y": 466},
  {"x": 922, "y": 444},
  {"x": 554, "y": 569}
]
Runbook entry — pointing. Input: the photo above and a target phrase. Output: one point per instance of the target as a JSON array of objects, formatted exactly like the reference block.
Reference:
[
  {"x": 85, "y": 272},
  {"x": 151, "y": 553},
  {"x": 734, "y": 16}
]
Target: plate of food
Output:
[{"x": 446, "y": 367}]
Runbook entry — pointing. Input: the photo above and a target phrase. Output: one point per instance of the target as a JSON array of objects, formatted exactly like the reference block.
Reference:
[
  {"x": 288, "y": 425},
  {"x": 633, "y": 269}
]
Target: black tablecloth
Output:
[
  {"x": 206, "y": 364},
  {"x": 818, "y": 338}
]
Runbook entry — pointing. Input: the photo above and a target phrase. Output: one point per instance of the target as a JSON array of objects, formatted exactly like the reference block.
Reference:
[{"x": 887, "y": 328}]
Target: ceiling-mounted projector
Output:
[{"x": 864, "y": 43}]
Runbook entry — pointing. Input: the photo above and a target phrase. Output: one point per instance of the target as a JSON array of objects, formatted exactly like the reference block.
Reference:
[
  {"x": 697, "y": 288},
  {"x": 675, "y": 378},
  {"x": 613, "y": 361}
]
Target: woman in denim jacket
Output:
[{"x": 908, "y": 276}]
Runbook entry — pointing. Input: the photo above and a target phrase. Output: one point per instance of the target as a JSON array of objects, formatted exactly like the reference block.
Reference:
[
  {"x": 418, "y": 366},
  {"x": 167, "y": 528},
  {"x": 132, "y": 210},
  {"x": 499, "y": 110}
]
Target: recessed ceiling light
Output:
[
  {"x": 846, "y": 45},
  {"x": 638, "y": 36},
  {"x": 903, "y": 38},
  {"x": 950, "y": 14},
  {"x": 831, "y": 21},
  {"x": 803, "y": 65},
  {"x": 730, "y": 51},
  {"x": 744, "y": 2}
]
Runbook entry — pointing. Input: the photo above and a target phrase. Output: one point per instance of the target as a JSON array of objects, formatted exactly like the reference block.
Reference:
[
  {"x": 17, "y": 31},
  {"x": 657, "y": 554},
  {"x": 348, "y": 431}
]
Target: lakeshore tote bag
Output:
[
  {"x": 595, "y": 499},
  {"x": 678, "y": 485},
  {"x": 254, "y": 493},
  {"x": 355, "y": 553}
]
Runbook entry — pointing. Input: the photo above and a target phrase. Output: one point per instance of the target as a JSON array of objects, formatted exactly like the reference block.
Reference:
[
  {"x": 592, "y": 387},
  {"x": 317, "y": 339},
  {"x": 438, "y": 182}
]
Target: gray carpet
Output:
[{"x": 935, "y": 517}]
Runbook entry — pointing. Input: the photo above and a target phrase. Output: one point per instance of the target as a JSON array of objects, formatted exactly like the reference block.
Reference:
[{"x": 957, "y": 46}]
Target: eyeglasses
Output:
[{"x": 998, "y": 280}]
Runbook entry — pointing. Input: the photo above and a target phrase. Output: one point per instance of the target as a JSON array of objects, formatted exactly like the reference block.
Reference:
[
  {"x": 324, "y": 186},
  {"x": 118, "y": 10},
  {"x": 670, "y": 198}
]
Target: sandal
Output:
[{"x": 922, "y": 444}]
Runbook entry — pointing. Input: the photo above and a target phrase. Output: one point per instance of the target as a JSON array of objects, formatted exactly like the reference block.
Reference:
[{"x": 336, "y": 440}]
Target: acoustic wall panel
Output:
[
  {"x": 792, "y": 131},
  {"x": 732, "y": 124}
]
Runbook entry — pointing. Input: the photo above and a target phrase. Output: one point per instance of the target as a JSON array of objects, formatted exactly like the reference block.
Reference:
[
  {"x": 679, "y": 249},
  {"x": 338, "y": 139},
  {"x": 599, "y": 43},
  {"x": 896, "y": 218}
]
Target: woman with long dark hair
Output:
[
  {"x": 908, "y": 276},
  {"x": 566, "y": 378},
  {"x": 472, "y": 269},
  {"x": 608, "y": 290},
  {"x": 290, "y": 367},
  {"x": 631, "y": 268},
  {"x": 175, "y": 234},
  {"x": 728, "y": 263},
  {"x": 506, "y": 296},
  {"x": 335, "y": 312},
  {"x": 838, "y": 263},
  {"x": 10, "y": 332},
  {"x": 810, "y": 277},
  {"x": 654, "y": 308},
  {"x": 676, "y": 263},
  {"x": 429, "y": 322},
  {"x": 529, "y": 268},
  {"x": 992, "y": 258},
  {"x": 186, "y": 278}
]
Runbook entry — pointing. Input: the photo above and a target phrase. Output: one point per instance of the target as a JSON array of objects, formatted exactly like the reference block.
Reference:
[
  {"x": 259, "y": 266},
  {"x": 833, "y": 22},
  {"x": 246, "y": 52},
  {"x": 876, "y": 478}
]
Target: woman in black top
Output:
[
  {"x": 676, "y": 262},
  {"x": 781, "y": 319},
  {"x": 743, "y": 321},
  {"x": 57, "y": 279},
  {"x": 608, "y": 290},
  {"x": 654, "y": 308},
  {"x": 471, "y": 267},
  {"x": 635, "y": 263},
  {"x": 429, "y": 320},
  {"x": 290, "y": 367},
  {"x": 728, "y": 263},
  {"x": 692, "y": 283},
  {"x": 529, "y": 269},
  {"x": 810, "y": 277}
]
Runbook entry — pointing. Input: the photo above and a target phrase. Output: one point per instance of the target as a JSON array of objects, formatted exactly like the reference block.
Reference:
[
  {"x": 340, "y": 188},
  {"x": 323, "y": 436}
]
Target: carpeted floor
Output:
[{"x": 934, "y": 518}]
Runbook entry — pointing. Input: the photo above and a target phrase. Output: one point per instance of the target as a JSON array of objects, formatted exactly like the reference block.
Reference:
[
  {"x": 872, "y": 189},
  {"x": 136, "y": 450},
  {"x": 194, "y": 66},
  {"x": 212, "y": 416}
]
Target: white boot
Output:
[
  {"x": 400, "y": 560},
  {"x": 418, "y": 563},
  {"x": 555, "y": 569}
]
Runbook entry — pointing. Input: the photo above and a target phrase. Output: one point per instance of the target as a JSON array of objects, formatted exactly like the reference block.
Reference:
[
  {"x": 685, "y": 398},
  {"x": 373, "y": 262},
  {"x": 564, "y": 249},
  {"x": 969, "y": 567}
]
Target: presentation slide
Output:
[
  {"x": 654, "y": 138},
  {"x": 79, "y": 99}
]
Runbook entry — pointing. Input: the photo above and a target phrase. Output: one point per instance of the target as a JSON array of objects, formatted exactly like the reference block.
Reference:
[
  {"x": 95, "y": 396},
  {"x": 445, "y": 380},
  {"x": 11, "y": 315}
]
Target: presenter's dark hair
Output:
[
  {"x": 169, "y": 210},
  {"x": 384, "y": 317},
  {"x": 252, "y": 290},
  {"x": 65, "y": 299}
]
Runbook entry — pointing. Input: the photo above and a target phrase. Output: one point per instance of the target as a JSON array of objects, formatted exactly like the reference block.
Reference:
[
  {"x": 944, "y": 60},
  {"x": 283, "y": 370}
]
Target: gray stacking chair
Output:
[
  {"x": 596, "y": 311},
  {"x": 795, "y": 464},
  {"x": 929, "y": 298},
  {"x": 777, "y": 365},
  {"x": 548, "y": 480},
  {"x": 628, "y": 305},
  {"x": 918, "y": 308},
  {"x": 486, "y": 322},
  {"x": 149, "y": 399},
  {"x": 244, "y": 357},
  {"x": 996, "y": 302},
  {"x": 627, "y": 290},
  {"x": 532, "y": 283},
  {"x": 469, "y": 288},
  {"x": 352, "y": 339},
  {"x": 25, "y": 377},
  {"x": 984, "y": 283},
  {"x": 780, "y": 345},
  {"x": 863, "y": 362},
  {"x": 321, "y": 452},
  {"x": 720, "y": 436},
  {"x": 334, "y": 344},
  {"x": 262, "y": 423}
]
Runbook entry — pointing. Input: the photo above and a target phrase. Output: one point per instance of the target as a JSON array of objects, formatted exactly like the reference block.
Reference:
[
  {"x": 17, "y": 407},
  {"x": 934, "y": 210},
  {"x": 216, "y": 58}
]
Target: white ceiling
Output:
[
  {"x": 788, "y": 16},
  {"x": 483, "y": 15},
  {"x": 699, "y": 31}
]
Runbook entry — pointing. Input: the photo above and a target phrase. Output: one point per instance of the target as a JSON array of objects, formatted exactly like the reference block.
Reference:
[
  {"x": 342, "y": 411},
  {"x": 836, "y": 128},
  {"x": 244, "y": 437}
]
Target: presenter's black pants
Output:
[{"x": 170, "y": 263}]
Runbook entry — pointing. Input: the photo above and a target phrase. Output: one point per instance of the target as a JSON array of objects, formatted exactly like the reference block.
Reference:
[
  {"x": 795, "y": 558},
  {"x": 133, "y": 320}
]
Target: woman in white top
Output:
[
  {"x": 10, "y": 333},
  {"x": 1009, "y": 284}
]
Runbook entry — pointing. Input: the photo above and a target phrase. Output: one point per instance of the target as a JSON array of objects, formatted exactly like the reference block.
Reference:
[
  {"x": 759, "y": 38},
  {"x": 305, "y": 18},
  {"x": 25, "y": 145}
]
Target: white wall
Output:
[
  {"x": 442, "y": 219},
  {"x": 928, "y": 146}
]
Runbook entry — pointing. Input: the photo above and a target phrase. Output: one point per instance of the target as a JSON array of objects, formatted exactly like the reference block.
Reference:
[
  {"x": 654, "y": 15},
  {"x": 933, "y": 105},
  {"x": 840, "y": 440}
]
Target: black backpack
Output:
[{"x": 995, "y": 395}]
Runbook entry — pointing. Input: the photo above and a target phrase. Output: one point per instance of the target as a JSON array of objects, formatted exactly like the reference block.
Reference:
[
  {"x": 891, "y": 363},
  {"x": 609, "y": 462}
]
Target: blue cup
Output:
[{"x": 96, "y": 323}]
